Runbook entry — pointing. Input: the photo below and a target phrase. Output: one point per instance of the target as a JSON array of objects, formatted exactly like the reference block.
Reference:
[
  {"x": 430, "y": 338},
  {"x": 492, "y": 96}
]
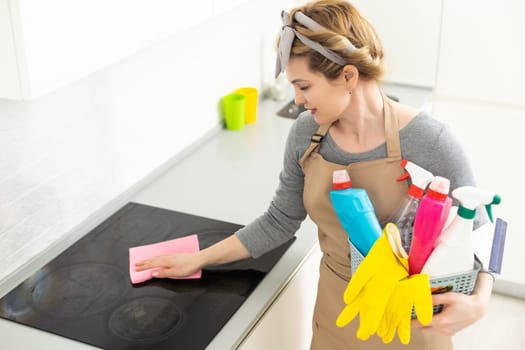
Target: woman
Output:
[{"x": 334, "y": 60}]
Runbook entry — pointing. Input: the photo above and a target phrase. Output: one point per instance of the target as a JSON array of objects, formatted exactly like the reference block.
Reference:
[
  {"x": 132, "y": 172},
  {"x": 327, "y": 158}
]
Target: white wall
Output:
[
  {"x": 53, "y": 43},
  {"x": 183, "y": 75},
  {"x": 61, "y": 41},
  {"x": 10, "y": 85}
]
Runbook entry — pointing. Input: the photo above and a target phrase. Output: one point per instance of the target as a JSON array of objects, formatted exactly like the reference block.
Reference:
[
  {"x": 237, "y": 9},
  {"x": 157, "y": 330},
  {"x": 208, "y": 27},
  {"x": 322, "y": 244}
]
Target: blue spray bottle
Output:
[
  {"x": 405, "y": 215},
  {"x": 355, "y": 212}
]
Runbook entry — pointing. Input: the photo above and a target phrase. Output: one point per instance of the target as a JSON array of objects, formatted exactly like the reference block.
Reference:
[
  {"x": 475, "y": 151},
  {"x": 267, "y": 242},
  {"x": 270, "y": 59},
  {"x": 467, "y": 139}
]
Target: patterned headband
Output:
[{"x": 288, "y": 34}]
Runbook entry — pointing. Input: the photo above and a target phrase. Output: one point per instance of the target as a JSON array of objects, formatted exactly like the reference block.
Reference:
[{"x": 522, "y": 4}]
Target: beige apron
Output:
[{"x": 378, "y": 177}]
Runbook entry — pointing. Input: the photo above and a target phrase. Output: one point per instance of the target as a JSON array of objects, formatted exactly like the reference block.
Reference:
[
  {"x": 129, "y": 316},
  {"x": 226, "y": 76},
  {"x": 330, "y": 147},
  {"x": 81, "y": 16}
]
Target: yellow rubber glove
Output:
[
  {"x": 372, "y": 284},
  {"x": 411, "y": 292}
]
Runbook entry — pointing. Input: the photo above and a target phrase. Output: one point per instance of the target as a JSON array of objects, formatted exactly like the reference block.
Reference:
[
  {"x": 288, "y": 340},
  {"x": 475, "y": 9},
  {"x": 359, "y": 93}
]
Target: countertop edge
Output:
[{"x": 262, "y": 298}]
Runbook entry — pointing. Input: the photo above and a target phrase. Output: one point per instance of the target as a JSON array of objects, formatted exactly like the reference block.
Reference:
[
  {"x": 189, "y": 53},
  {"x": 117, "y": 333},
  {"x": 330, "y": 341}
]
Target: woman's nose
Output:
[{"x": 299, "y": 99}]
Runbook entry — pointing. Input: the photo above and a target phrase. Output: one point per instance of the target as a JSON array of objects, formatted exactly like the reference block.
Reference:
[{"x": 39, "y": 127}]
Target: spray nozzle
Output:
[
  {"x": 420, "y": 178},
  {"x": 495, "y": 200},
  {"x": 471, "y": 198}
]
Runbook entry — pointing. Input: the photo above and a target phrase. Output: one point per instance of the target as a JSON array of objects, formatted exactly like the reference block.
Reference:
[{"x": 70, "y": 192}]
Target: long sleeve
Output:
[{"x": 286, "y": 211}]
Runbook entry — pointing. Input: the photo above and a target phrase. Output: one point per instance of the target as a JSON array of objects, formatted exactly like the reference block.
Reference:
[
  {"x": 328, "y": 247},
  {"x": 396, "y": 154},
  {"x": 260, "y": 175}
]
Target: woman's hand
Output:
[
  {"x": 172, "y": 265},
  {"x": 181, "y": 265},
  {"x": 459, "y": 310}
]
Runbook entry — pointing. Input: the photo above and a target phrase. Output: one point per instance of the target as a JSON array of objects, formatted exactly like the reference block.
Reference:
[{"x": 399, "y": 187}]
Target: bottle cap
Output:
[
  {"x": 414, "y": 191},
  {"x": 341, "y": 179},
  {"x": 439, "y": 188}
]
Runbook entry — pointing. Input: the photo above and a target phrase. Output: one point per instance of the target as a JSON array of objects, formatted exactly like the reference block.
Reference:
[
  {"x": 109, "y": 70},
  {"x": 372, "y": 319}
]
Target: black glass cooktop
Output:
[{"x": 86, "y": 293}]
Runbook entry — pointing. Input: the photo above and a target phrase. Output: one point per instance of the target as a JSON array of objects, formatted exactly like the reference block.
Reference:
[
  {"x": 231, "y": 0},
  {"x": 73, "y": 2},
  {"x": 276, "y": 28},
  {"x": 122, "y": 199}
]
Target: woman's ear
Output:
[{"x": 350, "y": 75}]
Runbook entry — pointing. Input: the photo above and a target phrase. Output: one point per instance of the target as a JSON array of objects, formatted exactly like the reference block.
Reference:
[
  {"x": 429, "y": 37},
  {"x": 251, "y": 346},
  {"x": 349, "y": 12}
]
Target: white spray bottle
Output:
[
  {"x": 455, "y": 252},
  {"x": 404, "y": 217}
]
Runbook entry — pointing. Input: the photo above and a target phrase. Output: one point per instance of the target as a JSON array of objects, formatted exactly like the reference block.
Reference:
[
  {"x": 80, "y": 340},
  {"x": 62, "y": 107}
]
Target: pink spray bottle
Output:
[{"x": 429, "y": 221}]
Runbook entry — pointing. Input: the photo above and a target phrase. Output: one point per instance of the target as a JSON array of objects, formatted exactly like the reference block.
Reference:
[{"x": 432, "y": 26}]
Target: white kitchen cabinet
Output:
[
  {"x": 482, "y": 53},
  {"x": 410, "y": 32},
  {"x": 288, "y": 322},
  {"x": 48, "y": 44},
  {"x": 463, "y": 49}
]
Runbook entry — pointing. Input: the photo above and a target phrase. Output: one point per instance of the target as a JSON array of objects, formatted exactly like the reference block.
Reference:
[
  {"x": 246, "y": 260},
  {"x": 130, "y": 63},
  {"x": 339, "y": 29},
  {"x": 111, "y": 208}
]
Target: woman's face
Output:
[{"x": 326, "y": 99}]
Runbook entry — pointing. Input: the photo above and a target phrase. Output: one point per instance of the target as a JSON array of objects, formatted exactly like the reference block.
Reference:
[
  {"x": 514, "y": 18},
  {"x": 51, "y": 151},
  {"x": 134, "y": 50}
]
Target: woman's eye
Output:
[{"x": 303, "y": 88}]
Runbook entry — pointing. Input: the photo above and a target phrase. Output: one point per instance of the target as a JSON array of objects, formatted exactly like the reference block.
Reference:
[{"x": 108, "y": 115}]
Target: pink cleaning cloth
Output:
[{"x": 188, "y": 244}]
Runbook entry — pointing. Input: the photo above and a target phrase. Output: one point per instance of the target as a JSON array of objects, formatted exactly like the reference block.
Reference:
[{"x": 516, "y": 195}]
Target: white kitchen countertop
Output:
[{"x": 228, "y": 175}]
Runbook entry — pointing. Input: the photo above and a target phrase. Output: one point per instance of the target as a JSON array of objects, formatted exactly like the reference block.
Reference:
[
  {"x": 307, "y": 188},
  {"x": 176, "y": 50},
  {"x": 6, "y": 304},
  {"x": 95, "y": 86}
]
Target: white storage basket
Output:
[{"x": 460, "y": 283}]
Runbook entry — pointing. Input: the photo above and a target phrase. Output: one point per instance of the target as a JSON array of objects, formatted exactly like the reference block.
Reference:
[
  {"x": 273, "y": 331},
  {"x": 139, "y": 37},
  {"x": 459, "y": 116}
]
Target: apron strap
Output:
[
  {"x": 393, "y": 145},
  {"x": 315, "y": 142}
]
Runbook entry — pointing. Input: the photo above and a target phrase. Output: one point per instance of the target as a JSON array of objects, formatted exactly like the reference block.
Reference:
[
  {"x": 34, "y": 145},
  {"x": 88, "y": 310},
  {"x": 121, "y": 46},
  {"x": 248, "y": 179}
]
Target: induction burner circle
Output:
[
  {"x": 78, "y": 290},
  {"x": 146, "y": 319},
  {"x": 136, "y": 228}
]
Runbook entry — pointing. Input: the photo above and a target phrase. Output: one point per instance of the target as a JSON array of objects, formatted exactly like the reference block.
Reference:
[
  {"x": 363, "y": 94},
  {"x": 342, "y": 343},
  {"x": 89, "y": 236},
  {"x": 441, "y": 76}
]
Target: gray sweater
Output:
[{"x": 424, "y": 141}]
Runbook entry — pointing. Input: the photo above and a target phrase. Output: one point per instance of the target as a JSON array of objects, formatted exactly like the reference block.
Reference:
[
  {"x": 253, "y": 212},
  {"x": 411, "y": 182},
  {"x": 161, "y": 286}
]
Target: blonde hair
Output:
[{"x": 343, "y": 23}]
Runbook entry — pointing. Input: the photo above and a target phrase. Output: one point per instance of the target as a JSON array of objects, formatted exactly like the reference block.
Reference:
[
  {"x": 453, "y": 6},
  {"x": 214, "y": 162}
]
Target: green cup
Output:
[{"x": 234, "y": 106}]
